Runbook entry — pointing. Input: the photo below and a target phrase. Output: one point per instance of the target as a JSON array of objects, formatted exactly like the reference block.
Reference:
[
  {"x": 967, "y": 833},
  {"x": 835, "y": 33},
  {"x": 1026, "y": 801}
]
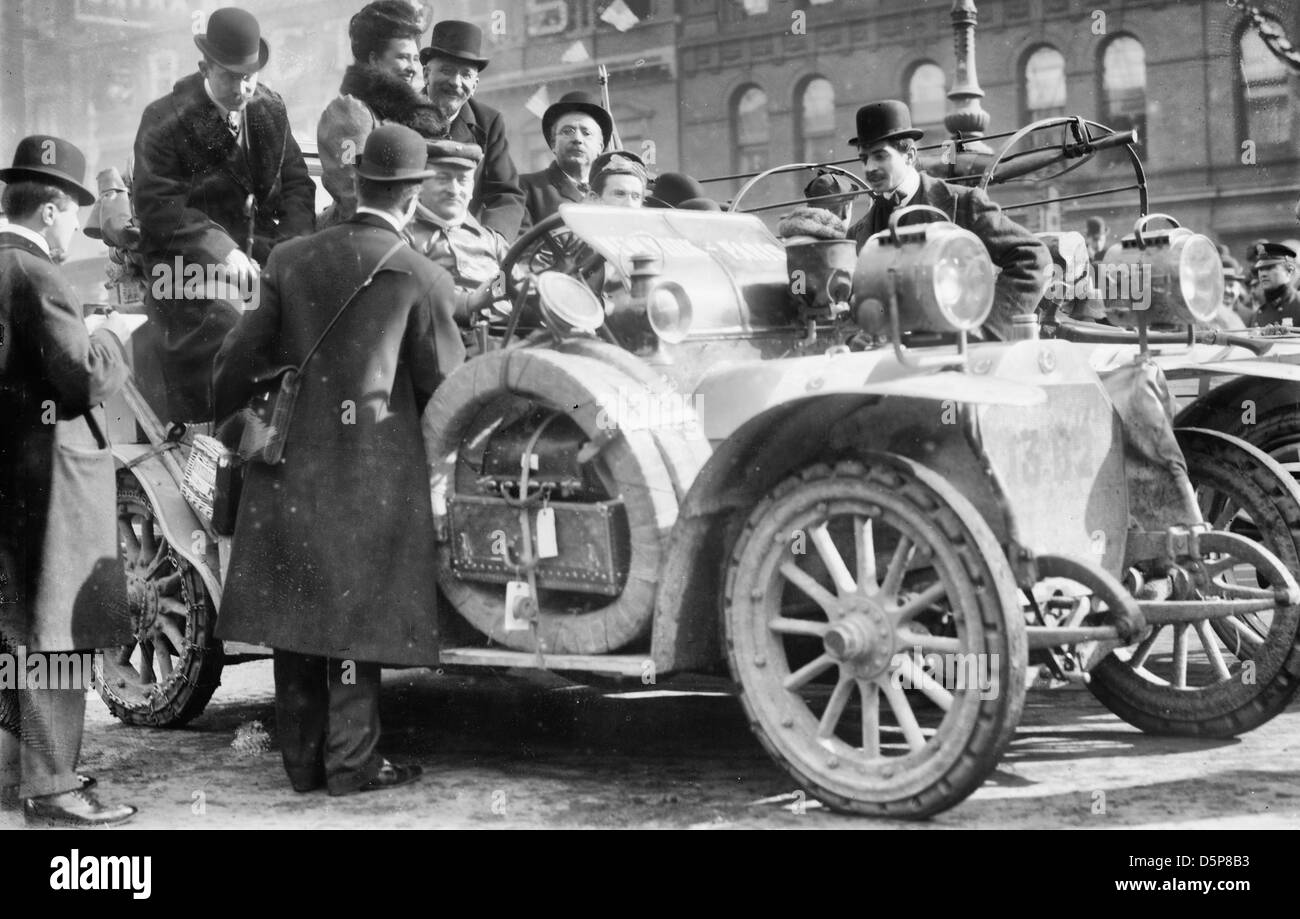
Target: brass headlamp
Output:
[
  {"x": 939, "y": 275},
  {"x": 1172, "y": 276}
]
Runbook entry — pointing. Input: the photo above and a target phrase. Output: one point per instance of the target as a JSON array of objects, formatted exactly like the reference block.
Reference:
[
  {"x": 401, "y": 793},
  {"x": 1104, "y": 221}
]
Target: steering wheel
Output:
[
  {"x": 794, "y": 167},
  {"x": 542, "y": 248}
]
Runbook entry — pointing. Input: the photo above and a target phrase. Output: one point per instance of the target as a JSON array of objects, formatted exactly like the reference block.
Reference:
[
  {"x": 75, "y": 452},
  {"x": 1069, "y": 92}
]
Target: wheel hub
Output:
[
  {"x": 142, "y": 595},
  {"x": 863, "y": 639}
]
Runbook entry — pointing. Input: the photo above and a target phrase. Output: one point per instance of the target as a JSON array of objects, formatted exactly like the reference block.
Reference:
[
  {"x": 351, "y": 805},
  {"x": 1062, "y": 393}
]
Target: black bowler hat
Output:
[
  {"x": 671, "y": 189},
  {"x": 234, "y": 40},
  {"x": 1272, "y": 253},
  {"x": 577, "y": 101},
  {"x": 453, "y": 38},
  {"x": 394, "y": 153},
  {"x": 52, "y": 160},
  {"x": 881, "y": 121}
]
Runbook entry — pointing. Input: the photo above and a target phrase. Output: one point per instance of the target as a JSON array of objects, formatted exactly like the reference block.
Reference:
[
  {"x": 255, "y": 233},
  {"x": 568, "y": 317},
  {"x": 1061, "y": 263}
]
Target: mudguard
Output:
[{"x": 180, "y": 525}]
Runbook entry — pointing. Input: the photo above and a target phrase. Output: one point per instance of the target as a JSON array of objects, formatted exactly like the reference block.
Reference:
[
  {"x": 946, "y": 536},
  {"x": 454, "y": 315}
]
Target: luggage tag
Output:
[
  {"x": 546, "y": 544},
  {"x": 516, "y": 593}
]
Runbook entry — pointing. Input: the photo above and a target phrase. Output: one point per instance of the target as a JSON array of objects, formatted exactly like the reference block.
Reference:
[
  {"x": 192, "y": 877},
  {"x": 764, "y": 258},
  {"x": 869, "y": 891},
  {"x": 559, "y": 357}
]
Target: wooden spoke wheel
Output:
[
  {"x": 167, "y": 675},
  {"x": 839, "y": 591},
  {"x": 1221, "y": 677}
]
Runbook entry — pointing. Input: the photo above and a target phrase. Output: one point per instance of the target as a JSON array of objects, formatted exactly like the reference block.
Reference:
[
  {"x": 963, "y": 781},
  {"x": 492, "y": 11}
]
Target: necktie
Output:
[
  {"x": 883, "y": 209},
  {"x": 232, "y": 122}
]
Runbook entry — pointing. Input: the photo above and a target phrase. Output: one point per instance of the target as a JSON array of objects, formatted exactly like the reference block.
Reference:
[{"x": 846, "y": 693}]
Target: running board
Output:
[{"x": 622, "y": 665}]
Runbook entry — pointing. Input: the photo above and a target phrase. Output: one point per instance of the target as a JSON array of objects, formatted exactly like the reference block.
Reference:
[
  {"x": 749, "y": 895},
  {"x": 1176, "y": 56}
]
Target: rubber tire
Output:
[
  {"x": 1232, "y": 708},
  {"x": 198, "y": 672},
  {"x": 952, "y": 770},
  {"x": 576, "y": 385}
]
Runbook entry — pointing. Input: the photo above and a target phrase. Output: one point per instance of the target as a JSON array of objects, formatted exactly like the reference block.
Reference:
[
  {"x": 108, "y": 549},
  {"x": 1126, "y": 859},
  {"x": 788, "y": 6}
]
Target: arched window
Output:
[
  {"x": 1262, "y": 98},
  {"x": 1124, "y": 86},
  {"x": 750, "y": 127},
  {"x": 927, "y": 96},
  {"x": 816, "y": 141},
  {"x": 1044, "y": 86}
]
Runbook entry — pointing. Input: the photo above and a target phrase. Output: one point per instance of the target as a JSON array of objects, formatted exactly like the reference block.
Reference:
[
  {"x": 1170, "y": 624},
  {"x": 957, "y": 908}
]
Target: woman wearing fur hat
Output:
[{"x": 382, "y": 86}]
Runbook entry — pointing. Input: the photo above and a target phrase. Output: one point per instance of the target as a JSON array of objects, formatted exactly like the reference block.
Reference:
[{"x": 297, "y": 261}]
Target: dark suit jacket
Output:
[
  {"x": 544, "y": 192},
  {"x": 498, "y": 201},
  {"x": 332, "y": 548},
  {"x": 62, "y": 587},
  {"x": 1022, "y": 257},
  {"x": 191, "y": 177}
]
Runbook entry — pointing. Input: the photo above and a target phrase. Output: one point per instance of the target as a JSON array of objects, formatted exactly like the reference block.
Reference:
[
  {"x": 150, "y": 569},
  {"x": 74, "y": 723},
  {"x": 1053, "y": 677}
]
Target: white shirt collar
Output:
[
  {"x": 25, "y": 233},
  {"x": 392, "y": 221},
  {"x": 908, "y": 187}
]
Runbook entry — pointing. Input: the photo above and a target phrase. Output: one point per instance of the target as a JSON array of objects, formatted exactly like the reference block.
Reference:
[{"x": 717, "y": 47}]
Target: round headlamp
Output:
[
  {"x": 1172, "y": 275},
  {"x": 568, "y": 306},
  {"x": 668, "y": 309},
  {"x": 942, "y": 278}
]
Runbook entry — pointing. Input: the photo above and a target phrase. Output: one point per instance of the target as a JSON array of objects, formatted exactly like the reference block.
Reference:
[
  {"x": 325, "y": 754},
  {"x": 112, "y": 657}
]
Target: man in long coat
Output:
[
  {"x": 200, "y": 153},
  {"x": 452, "y": 64},
  {"x": 886, "y": 145},
  {"x": 332, "y": 560},
  {"x": 62, "y": 587}
]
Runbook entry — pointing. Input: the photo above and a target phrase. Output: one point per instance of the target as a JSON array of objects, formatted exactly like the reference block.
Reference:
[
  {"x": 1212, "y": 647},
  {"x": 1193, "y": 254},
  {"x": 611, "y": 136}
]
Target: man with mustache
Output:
[
  {"x": 445, "y": 230},
  {"x": 452, "y": 64},
  {"x": 577, "y": 129},
  {"x": 381, "y": 86},
  {"x": 216, "y": 141},
  {"x": 886, "y": 145}
]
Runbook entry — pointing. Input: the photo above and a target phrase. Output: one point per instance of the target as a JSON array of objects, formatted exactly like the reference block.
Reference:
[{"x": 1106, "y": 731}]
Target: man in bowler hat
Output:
[
  {"x": 330, "y": 565},
  {"x": 577, "y": 130},
  {"x": 219, "y": 182},
  {"x": 886, "y": 143},
  {"x": 1275, "y": 266},
  {"x": 62, "y": 587},
  {"x": 452, "y": 64}
]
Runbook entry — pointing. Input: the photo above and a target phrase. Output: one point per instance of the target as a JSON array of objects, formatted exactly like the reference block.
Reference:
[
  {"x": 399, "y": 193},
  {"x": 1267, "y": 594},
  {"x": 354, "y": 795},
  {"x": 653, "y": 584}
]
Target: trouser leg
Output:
[
  {"x": 351, "y": 752},
  {"x": 52, "y": 723},
  {"x": 10, "y": 768},
  {"x": 301, "y": 715},
  {"x": 193, "y": 331}
]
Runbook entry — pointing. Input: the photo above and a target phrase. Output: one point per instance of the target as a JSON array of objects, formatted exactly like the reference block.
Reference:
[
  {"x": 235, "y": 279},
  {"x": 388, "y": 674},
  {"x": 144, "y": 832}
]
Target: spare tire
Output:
[{"x": 629, "y": 463}]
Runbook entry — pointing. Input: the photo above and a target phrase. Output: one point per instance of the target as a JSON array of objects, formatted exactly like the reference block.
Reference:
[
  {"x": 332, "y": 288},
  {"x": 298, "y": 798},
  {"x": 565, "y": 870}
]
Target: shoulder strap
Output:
[{"x": 400, "y": 244}]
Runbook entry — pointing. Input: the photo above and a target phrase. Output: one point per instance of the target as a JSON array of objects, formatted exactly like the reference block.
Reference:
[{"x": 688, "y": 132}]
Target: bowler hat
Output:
[
  {"x": 671, "y": 189},
  {"x": 453, "y": 38},
  {"x": 394, "y": 153},
  {"x": 234, "y": 40},
  {"x": 52, "y": 160},
  {"x": 577, "y": 101},
  {"x": 1271, "y": 253},
  {"x": 453, "y": 153},
  {"x": 881, "y": 121}
]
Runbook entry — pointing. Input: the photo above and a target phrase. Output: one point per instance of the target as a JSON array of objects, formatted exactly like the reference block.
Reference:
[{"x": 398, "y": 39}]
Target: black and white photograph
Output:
[{"x": 653, "y": 415}]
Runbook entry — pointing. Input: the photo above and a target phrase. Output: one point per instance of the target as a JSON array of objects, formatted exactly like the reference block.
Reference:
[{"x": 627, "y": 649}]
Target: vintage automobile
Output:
[{"x": 692, "y": 448}]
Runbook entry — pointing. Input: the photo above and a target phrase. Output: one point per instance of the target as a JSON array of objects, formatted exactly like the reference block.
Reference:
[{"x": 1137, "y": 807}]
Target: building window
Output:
[
  {"x": 751, "y": 130},
  {"x": 1124, "y": 90},
  {"x": 1044, "y": 87},
  {"x": 1262, "y": 96},
  {"x": 816, "y": 141},
  {"x": 927, "y": 96}
]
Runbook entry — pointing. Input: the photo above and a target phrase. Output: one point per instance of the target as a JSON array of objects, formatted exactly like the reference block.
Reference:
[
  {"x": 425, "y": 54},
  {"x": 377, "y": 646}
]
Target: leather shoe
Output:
[
  {"x": 75, "y": 808},
  {"x": 390, "y": 775},
  {"x": 9, "y": 799}
]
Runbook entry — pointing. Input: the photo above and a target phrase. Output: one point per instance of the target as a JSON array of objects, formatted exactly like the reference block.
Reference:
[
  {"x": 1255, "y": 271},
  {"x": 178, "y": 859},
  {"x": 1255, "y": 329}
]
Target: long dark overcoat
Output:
[
  {"x": 61, "y": 582},
  {"x": 333, "y": 550},
  {"x": 191, "y": 180},
  {"x": 544, "y": 192},
  {"x": 498, "y": 201},
  {"x": 1022, "y": 258}
]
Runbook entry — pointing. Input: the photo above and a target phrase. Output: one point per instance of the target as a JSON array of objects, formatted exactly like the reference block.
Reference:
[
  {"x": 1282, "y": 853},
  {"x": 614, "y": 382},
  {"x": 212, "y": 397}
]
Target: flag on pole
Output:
[
  {"x": 576, "y": 53},
  {"x": 619, "y": 16},
  {"x": 539, "y": 101}
]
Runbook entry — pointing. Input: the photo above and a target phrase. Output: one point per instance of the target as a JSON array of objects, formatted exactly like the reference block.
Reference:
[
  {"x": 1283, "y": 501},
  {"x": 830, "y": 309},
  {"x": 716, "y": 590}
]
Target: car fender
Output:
[{"x": 180, "y": 524}]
